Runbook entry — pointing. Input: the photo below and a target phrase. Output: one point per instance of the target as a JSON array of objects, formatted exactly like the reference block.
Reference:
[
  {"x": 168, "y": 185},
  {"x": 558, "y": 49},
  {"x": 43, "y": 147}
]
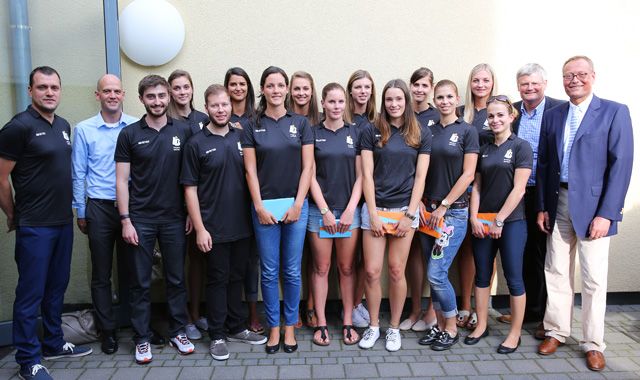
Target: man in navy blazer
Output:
[
  {"x": 531, "y": 80},
  {"x": 584, "y": 168}
]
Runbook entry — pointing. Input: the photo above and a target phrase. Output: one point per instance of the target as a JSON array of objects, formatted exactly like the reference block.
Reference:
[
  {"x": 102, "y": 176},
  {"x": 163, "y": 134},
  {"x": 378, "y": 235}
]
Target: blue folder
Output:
[
  {"x": 278, "y": 207},
  {"x": 326, "y": 235}
]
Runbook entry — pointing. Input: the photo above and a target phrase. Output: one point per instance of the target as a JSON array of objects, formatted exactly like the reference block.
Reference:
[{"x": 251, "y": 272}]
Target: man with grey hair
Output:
[{"x": 532, "y": 83}]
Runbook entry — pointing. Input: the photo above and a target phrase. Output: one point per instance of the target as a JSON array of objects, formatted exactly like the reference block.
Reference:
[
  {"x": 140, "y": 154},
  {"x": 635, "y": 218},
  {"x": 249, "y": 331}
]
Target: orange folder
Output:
[
  {"x": 487, "y": 219},
  {"x": 389, "y": 220},
  {"x": 437, "y": 232}
]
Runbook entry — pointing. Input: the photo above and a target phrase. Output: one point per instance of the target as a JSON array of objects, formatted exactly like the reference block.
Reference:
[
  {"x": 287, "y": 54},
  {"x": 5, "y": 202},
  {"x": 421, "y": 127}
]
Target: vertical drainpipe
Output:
[
  {"x": 21, "y": 51},
  {"x": 111, "y": 37}
]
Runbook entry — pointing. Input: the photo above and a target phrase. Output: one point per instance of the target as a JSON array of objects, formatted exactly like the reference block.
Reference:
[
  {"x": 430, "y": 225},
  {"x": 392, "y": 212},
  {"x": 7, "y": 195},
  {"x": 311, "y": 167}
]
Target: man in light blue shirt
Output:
[{"x": 94, "y": 194}]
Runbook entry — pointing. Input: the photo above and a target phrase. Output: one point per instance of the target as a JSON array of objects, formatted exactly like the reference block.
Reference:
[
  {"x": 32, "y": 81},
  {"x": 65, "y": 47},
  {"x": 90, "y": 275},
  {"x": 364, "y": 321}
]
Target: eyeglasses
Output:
[
  {"x": 499, "y": 98},
  {"x": 568, "y": 77}
]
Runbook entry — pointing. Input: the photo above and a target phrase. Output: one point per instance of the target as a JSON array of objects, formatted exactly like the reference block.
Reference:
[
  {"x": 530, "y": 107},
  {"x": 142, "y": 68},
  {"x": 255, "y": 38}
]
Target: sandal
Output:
[
  {"x": 472, "y": 322},
  {"x": 256, "y": 327},
  {"x": 311, "y": 319},
  {"x": 324, "y": 338},
  {"x": 348, "y": 337},
  {"x": 462, "y": 318}
]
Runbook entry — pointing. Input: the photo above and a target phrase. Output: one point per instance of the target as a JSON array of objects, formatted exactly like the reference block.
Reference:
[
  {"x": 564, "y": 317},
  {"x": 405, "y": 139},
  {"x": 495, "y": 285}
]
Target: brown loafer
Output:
[
  {"x": 505, "y": 318},
  {"x": 540, "y": 332},
  {"x": 595, "y": 360},
  {"x": 549, "y": 346}
]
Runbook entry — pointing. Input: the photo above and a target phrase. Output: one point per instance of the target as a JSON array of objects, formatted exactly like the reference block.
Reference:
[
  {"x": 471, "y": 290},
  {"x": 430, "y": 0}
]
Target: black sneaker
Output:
[
  {"x": 444, "y": 341},
  {"x": 431, "y": 336}
]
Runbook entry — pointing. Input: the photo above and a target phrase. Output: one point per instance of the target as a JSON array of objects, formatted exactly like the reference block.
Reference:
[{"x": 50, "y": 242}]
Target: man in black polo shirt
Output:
[
  {"x": 151, "y": 206},
  {"x": 36, "y": 151},
  {"x": 218, "y": 202}
]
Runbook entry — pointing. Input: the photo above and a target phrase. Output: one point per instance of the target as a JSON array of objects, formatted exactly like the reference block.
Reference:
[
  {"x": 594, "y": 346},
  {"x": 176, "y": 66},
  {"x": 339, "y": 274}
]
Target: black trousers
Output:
[
  {"x": 105, "y": 231},
  {"x": 172, "y": 240},
  {"x": 533, "y": 262},
  {"x": 226, "y": 269}
]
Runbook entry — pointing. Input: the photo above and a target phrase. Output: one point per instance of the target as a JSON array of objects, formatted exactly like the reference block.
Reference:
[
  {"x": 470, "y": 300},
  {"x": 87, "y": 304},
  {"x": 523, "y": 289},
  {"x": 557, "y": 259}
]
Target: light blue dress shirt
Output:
[
  {"x": 529, "y": 130},
  {"x": 93, "y": 165}
]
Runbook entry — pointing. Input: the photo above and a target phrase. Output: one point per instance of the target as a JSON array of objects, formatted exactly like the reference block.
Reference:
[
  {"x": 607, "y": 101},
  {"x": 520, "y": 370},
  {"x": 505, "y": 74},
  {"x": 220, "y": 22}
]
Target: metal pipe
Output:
[
  {"x": 111, "y": 37},
  {"x": 20, "y": 52}
]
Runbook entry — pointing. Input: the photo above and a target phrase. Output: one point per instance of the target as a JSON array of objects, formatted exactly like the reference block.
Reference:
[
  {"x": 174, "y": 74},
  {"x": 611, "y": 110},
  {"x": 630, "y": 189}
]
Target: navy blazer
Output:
[
  {"x": 599, "y": 168},
  {"x": 549, "y": 103}
]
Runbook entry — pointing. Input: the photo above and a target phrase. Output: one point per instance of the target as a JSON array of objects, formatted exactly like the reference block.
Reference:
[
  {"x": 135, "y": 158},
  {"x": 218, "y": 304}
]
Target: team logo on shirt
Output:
[
  {"x": 240, "y": 148},
  {"x": 65, "y": 135},
  {"x": 40, "y": 134},
  {"x": 349, "y": 142},
  {"x": 430, "y": 123},
  {"x": 293, "y": 131},
  {"x": 485, "y": 126},
  {"x": 210, "y": 150},
  {"x": 508, "y": 155},
  {"x": 453, "y": 140},
  {"x": 200, "y": 125},
  {"x": 176, "y": 143}
]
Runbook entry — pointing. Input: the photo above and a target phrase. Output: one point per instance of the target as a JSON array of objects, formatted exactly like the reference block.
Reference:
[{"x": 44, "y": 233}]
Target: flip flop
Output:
[
  {"x": 324, "y": 338},
  {"x": 472, "y": 322},
  {"x": 462, "y": 318},
  {"x": 347, "y": 339}
]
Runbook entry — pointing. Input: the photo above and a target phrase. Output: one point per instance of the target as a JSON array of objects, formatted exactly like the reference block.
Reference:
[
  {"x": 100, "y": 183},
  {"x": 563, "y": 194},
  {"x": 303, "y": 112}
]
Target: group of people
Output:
[{"x": 243, "y": 184}]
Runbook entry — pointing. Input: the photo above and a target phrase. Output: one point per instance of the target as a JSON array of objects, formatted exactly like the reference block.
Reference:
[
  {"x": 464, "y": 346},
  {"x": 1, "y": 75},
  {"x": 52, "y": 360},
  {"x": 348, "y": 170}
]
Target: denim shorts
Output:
[
  {"x": 313, "y": 225},
  {"x": 366, "y": 223}
]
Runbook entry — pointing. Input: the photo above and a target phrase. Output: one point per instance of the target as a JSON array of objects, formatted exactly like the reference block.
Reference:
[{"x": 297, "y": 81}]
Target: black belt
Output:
[
  {"x": 434, "y": 204},
  {"x": 109, "y": 202},
  {"x": 564, "y": 185}
]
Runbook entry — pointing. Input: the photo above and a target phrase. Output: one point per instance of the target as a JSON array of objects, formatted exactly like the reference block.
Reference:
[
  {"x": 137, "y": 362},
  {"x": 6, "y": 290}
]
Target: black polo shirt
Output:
[
  {"x": 394, "y": 165},
  {"x": 155, "y": 194},
  {"x": 42, "y": 174},
  {"x": 278, "y": 145},
  {"x": 214, "y": 164},
  {"x": 448, "y": 148},
  {"x": 360, "y": 121},
  {"x": 243, "y": 120},
  {"x": 196, "y": 120},
  {"x": 485, "y": 134},
  {"x": 335, "y": 155},
  {"x": 428, "y": 117},
  {"x": 497, "y": 166}
]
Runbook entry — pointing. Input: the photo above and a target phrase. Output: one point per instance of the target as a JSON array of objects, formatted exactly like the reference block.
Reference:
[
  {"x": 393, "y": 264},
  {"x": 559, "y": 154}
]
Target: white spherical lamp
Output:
[{"x": 151, "y": 32}]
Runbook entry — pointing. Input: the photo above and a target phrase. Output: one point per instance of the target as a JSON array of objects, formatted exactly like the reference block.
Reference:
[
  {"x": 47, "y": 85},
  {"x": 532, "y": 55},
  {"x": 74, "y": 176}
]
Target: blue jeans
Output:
[
  {"x": 43, "y": 257},
  {"x": 280, "y": 246},
  {"x": 439, "y": 254},
  {"x": 511, "y": 245}
]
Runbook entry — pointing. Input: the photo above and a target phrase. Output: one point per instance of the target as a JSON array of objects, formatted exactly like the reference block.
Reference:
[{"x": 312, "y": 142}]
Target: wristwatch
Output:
[
  {"x": 410, "y": 215},
  {"x": 499, "y": 223},
  {"x": 445, "y": 203},
  {"x": 324, "y": 210}
]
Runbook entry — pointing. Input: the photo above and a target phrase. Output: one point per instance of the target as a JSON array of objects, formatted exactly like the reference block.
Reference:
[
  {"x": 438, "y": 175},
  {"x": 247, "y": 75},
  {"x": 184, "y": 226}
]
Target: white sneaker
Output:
[
  {"x": 192, "y": 332},
  {"x": 143, "y": 353},
  {"x": 182, "y": 344},
  {"x": 394, "y": 340},
  {"x": 407, "y": 324},
  {"x": 363, "y": 312},
  {"x": 369, "y": 337}
]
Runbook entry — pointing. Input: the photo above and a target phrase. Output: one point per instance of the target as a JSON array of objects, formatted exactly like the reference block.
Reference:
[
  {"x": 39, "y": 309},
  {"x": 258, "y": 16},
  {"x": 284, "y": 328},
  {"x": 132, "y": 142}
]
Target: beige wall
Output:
[{"x": 332, "y": 38}]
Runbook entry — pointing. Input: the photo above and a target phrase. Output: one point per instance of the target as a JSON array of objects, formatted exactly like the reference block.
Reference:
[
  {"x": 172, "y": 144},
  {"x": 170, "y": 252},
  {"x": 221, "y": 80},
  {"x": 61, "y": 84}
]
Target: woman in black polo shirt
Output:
[
  {"x": 501, "y": 177},
  {"x": 238, "y": 84},
  {"x": 395, "y": 159},
  {"x": 360, "y": 110},
  {"x": 336, "y": 188},
  {"x": 240, "y": 89},
  {"x": 482, "y": 84},
  {"x": 303, "y": 100},
  {"x": 278, "y": 157},
  {"x": 454, "y": 155},
  {"x": 421, "y": 84},
  {"x": 181, "y": 108}
]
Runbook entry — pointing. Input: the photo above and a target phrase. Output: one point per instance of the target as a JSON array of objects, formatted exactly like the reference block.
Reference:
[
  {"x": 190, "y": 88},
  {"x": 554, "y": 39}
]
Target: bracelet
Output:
[
  {"x": 410, "y": 216},
  {"x": 124, "y": 216}
]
